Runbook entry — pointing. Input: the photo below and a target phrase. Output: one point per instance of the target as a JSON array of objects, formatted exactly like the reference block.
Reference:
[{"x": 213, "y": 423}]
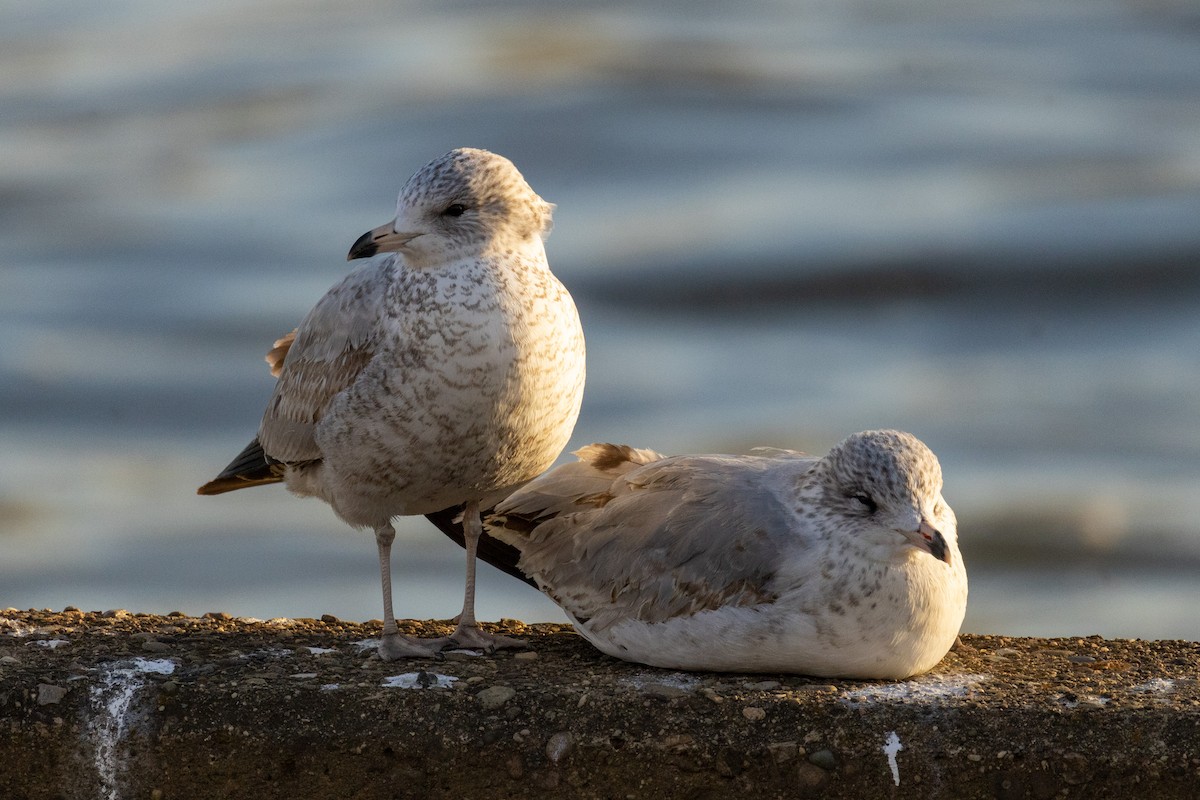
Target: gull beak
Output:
[
  {"x": 384, "y": 239},
  {"x": 930, "y": 539}
]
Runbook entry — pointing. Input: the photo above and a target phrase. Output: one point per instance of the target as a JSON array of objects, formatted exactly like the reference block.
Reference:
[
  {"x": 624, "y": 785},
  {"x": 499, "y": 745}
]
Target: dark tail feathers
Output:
[{"x": 250, "y": 468}]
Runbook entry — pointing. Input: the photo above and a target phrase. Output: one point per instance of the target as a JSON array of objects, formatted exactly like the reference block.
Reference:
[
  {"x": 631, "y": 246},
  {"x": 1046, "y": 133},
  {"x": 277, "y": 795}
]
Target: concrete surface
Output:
[{"x": 120, "y": 705}]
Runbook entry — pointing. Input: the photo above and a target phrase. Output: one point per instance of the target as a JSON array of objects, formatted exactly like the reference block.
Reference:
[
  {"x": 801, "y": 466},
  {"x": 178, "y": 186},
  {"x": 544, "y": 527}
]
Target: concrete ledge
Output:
[{"x": 137, "y": 706}]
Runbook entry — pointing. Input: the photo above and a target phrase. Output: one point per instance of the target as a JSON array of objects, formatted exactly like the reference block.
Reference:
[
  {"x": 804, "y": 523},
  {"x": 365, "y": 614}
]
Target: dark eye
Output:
[
  {"x": 865, "y": 501},
  {"x": 456, "y": 210}
]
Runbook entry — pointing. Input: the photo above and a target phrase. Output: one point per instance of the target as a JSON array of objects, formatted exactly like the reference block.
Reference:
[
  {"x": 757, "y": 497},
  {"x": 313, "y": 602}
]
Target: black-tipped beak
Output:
[
  {"x": 363, "y": 247},
  {"x": 930, "y": 539},
  {"x": 384, "y": 239}
]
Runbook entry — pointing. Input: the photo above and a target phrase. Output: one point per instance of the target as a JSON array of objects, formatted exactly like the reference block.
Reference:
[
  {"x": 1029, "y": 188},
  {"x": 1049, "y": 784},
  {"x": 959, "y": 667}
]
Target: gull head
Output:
[
  {"x": 464, "y": 203},
  {"x": 886, "y": 486}
]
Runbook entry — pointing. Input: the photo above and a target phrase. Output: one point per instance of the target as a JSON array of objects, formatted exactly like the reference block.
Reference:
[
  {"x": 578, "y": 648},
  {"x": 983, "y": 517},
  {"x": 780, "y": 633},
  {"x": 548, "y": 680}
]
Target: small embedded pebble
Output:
[
  {"x": 155, "y": 646},
  {"x": 783, "y": 752},
  {"x": 1074, "y": 769},
  {"x": 762, "y": 686},
  {"x": 824, "y": 759},
  {"x": 663, "y": 690},
  {"x": 559, "y": 746},
  {"x": 495, "y": 696},
  {"x": 525, "y": 655},
  {"x": 817, "y": 688},
  {"x": 811, "y": 776},
  {"x": 49, "y": 694},
  {"x": 754, "y": 713}
]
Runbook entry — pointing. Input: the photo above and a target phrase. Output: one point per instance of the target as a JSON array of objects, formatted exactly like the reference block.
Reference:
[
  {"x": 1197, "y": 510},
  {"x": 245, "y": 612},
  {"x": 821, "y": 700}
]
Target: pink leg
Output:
[
  {"x": 392, "y": 645},
  {"x": 468, "y": 633}
]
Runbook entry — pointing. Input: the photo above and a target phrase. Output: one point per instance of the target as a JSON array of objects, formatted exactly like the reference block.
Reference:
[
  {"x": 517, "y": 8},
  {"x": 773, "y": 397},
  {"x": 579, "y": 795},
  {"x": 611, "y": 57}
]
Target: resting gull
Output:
[
  {"x": 842, "y": 566},
  {"x": 447, "y": 372}
]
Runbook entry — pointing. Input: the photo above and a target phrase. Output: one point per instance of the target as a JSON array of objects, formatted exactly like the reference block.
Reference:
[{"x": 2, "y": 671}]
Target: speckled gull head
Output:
[
  {"x": 464, "y": 203},
  {"x": 883, "y": 483}
]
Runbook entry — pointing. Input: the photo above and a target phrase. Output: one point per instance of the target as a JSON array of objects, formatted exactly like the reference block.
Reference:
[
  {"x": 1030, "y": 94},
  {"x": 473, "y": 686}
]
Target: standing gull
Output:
[
  {"x": 842, "y": 566},
  {"x": 446, "y": 373}
]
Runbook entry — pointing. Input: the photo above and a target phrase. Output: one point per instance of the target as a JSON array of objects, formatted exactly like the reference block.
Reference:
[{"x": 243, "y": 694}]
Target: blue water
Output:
[{"x": 782, "y": 222}]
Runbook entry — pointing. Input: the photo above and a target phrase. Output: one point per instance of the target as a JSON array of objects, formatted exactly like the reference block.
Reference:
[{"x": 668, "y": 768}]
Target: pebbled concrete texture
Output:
[{"x": 120, "y": 705}]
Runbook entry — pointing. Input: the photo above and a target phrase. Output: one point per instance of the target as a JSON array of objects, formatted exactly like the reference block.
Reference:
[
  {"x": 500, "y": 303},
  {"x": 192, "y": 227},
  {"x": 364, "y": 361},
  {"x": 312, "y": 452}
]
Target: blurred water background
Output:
[{"x": 782, "y": 222}]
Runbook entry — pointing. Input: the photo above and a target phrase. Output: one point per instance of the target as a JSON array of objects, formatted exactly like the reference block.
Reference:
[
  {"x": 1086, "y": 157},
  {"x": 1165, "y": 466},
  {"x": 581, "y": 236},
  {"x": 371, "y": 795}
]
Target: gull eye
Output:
[
  {"x": 865, "y": 501},
  {"x": 455, "y": 210}
]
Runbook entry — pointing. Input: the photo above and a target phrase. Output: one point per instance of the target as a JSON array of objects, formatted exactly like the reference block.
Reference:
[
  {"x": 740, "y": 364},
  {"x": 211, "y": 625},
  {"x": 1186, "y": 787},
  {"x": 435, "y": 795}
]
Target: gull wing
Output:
[
  {"x": 558, "y": 492},
  {"x": 668, "y": 538},
  {"x": 319, "y": 359}
]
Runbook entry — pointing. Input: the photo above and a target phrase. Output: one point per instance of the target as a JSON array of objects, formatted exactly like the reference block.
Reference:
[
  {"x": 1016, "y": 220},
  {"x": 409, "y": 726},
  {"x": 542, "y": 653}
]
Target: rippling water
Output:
[{"x": 782, "y": 222}]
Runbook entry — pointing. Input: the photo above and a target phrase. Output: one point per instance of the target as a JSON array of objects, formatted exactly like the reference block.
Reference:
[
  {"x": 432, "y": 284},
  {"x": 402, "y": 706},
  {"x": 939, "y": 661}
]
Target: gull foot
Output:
[
  {"x": 472, "y": 637},
  {"x": 393, "y": 646}
]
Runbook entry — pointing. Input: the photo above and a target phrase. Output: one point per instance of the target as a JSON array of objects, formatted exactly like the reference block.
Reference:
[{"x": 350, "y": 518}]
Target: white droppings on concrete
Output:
[
  {"x": 11, "y": 627},
  {"x": 111, "y": 700},
  {"x": 1084, "y": 700},
  {"x": 420, "y": 680},
  {"x": 890, "y": 748},
  {"x": 1154, "y": 686},
  {"x": 461, "y": 652},
  {"x": 159, "y": 666},
  {"x": 329, "y": 687},
  {"x": 320, "y": 651},
  {"x": 367, "y": 644},
  {"x": 926, "y": 690},
  {"x": 52, "y": 644},
  {"x": 273, "y": 652}
]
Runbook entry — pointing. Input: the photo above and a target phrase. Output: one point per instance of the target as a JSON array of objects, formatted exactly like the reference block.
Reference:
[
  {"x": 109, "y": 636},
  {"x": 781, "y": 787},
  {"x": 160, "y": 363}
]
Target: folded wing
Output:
[
  {"x": 626, "y": 533},
  {"x": 325, "y": 354}
]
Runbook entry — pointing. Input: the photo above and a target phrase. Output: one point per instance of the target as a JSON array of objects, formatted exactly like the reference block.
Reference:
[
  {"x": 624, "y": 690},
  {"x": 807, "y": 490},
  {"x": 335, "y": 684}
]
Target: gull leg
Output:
[
  {"x": 468, "y": 633},
  {"x": 392, "y": 645}
]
